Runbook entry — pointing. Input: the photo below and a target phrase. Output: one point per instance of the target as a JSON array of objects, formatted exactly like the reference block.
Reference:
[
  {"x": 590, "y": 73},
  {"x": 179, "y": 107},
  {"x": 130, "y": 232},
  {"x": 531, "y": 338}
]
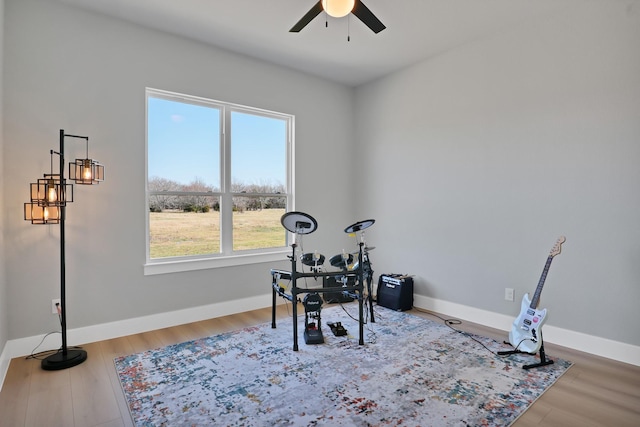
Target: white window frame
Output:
[{"x": 227, "y": 257}]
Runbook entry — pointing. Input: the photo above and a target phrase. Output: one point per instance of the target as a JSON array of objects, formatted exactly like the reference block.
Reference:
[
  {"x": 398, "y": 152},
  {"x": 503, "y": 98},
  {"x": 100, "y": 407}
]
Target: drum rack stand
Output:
[{"x": 294, "y": 275}]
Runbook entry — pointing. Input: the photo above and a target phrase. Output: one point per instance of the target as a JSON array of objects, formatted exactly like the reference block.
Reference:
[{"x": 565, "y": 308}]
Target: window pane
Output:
[
  {"x": 256, "y": 222},
  {"x": 217, "y": 178},
  {"x": 183, "y": 143},
  {"x": 258, "y": 153},
  {"x": 188, "y": 225}
]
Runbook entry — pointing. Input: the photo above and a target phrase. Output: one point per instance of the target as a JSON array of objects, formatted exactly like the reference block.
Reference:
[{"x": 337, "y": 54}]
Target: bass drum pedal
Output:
[{"x": 312, "y": 303}]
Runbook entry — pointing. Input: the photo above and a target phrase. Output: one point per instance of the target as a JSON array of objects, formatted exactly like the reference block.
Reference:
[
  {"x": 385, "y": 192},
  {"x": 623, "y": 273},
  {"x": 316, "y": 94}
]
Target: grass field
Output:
[{"x": 176, "y": 233}]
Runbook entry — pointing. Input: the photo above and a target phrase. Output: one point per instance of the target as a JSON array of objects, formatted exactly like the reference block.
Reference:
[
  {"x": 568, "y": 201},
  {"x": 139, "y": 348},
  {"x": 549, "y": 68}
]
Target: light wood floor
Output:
[{"x": 594, "y": 392}]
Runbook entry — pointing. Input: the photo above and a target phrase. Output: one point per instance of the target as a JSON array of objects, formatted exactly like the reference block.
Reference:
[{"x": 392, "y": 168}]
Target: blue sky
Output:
[{"x": 184, "y": 144}]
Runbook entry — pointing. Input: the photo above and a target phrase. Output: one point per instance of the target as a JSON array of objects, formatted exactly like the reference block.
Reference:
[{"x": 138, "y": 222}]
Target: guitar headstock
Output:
[{"x": 557, "y": 247}]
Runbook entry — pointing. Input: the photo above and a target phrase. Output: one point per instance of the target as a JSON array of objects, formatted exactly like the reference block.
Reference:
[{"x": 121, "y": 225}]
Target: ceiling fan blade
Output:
[
  {"x": 313, "y": 12},
  {"x": 365, "y": 15}
]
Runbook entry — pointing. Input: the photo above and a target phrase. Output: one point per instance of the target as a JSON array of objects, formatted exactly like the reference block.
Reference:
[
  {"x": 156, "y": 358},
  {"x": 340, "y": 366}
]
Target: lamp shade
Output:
[
  {"x": 338, "y": 8},
  {"x": 49, "y": 191},
  {"x": 86, "y": 171},
  {"x": 41, "y": 214}
]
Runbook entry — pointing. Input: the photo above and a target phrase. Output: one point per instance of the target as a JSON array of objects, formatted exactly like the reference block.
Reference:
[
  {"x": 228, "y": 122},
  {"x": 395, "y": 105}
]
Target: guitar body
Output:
[{"x": 525, "y": 332}]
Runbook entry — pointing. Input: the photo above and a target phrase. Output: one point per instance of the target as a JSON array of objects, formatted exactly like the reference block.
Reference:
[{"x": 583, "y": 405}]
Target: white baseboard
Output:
[
  {"x": 4, "y": 365},
  {"x": 24, "y": 346},
  {"x": 598, "y": 346}
]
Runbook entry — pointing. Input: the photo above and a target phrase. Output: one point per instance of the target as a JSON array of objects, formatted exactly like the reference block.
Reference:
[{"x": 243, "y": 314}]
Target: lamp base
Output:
[{"x": 60, "y": 360}]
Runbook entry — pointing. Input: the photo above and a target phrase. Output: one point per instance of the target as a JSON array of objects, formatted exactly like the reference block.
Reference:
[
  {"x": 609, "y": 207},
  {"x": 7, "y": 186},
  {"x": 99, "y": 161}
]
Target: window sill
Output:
[{"x": 177, "y": 266}]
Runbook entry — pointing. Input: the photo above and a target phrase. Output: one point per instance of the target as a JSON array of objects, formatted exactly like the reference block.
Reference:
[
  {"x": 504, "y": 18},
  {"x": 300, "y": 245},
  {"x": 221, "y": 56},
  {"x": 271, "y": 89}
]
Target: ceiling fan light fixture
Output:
[{"x": 338, "y": 8}]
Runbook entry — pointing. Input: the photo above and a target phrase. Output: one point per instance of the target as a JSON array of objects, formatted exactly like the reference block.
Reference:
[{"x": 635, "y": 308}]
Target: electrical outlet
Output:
[
  {"x": 54, "y": 308},
  {"x": 509, "y": 294}
]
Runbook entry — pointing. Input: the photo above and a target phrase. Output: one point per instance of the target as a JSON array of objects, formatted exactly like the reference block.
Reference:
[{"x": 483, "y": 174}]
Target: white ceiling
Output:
[{"x": 416, "y": 29}]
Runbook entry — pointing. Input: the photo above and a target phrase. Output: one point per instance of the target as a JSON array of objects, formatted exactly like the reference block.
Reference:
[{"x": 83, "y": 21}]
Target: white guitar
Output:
[{"x": 525, "y": 332}]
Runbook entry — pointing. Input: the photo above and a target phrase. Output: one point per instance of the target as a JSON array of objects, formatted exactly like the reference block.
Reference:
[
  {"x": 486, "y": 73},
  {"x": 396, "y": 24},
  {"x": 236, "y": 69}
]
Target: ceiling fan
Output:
[{"x": 338, "y": 9}]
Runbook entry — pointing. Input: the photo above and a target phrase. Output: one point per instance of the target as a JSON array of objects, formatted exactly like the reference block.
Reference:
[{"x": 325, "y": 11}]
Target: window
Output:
[{"x": 219, "y": 177}]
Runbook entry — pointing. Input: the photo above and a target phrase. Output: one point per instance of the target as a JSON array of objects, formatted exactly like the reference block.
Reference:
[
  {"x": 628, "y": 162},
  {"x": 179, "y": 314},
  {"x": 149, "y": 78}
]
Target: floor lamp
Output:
[{"x": 49, "y": 198}]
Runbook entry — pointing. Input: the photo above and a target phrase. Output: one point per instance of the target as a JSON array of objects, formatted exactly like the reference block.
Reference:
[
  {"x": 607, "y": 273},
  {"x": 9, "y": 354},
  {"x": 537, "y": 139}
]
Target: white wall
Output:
[
  {"x": 85, "y": 73},
  {"x": 480, "y": 158}
]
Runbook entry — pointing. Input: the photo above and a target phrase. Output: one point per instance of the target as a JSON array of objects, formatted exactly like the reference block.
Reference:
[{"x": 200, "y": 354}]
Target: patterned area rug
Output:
[{"x": 410, "y": 372}]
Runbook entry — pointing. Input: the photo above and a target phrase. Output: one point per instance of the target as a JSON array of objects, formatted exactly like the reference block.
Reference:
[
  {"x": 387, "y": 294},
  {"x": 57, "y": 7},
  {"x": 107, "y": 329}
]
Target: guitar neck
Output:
[{"x": 536, "y": 296}]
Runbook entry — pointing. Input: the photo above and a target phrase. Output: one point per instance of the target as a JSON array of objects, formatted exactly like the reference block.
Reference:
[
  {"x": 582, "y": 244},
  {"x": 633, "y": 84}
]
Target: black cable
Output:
[
  {"x": 46, "y": 353},
  {"x": 371, "y": 334},
  {"x": 450, "y": 322},
  {"x": 35, "y": 355}
]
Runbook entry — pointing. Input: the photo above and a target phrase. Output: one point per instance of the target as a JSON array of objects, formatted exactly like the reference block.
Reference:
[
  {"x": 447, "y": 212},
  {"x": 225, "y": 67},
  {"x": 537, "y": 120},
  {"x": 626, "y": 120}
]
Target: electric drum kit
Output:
[
  {"x": 300, "y": 223},
  {"x": 347, "y": 263}
]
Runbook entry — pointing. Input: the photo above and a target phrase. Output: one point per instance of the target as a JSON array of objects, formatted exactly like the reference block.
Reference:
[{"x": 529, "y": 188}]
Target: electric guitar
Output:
[{"x": 525, "y": 332}]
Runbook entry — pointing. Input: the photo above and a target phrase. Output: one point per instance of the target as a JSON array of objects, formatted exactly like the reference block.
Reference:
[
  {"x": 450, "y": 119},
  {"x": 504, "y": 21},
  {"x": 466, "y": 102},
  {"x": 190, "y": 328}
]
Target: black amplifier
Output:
[{"x": 395, "y": 291}]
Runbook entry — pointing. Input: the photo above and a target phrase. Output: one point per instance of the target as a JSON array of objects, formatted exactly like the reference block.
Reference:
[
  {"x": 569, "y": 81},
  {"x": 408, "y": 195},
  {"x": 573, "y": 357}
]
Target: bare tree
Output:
[
  {"x": 159, "y": 202},
  {"x": 197, "y": 202}
]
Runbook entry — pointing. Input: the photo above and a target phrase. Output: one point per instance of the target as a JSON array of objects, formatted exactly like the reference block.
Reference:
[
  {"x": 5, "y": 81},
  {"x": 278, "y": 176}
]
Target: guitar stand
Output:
[{"x": 543, "y": 357}]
